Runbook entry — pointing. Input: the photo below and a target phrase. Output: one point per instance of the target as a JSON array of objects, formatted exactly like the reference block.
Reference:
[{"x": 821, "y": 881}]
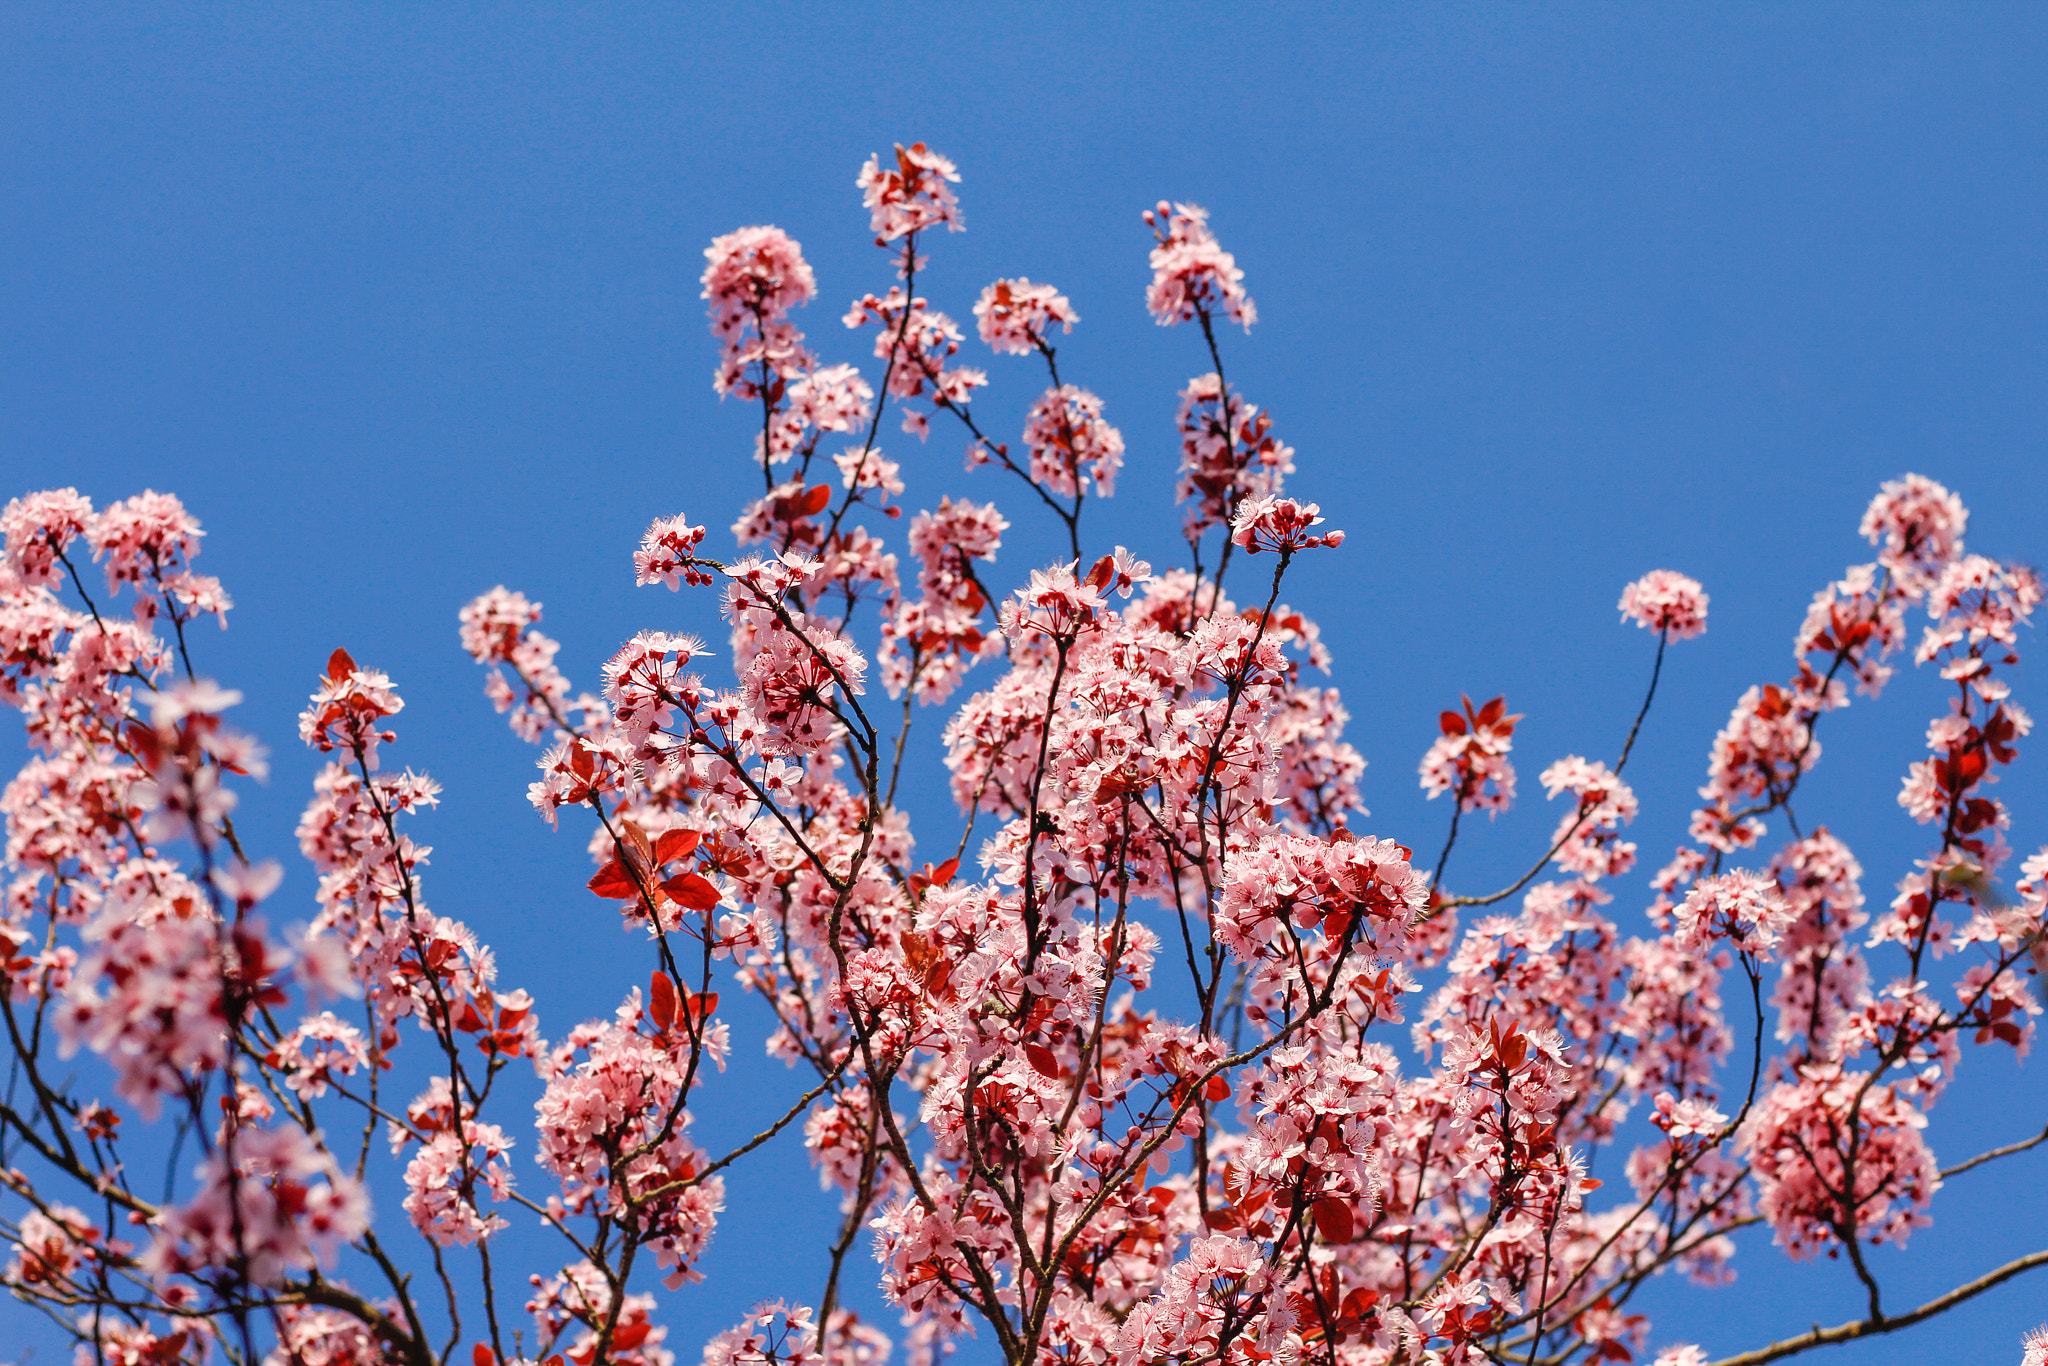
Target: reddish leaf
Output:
[
  {"x": 1042, "y": 1060},
  {"x": 1452, "y": 723},
  {"x": 1493, "y": 710},
  {"x": 1333, "y": 1220},
  {"x": 612, "y": 883},
  {"x": 675, "y": 844},
  {"x": 482, "y": 1355},
  {"x": 340, "y": 665},
  {"x": 943, "y": 874},
  {"x": 661, "y": 1000},
  {"x": 637, "y": 841},
  {"x": 815, "y": 499},
  {"x": 1222, "y": 1220},
  {"x": 1514, "y": 1052},
  {"x": 694, "y": 891},
  {"x": 1217, "y": 1090},
  {"x": 1104, "y": 570}
]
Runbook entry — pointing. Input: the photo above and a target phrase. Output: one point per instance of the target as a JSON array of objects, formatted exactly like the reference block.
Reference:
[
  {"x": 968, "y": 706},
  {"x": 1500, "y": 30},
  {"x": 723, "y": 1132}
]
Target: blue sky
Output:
[{"x": 403, "y": 304}]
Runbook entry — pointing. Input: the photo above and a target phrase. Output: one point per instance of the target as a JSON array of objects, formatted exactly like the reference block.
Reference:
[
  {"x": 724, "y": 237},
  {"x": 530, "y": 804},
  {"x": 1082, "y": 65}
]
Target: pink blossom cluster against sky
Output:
[{"x": 406, "y": 306}]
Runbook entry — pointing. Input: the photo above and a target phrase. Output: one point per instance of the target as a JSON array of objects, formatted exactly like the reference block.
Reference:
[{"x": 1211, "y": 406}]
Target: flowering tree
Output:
[{"x": 1126, "y": 1088}]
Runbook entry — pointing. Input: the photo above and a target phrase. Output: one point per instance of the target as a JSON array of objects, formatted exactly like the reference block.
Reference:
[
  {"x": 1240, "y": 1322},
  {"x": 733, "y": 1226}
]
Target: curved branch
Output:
[{"x": 1864, "y": 1328}]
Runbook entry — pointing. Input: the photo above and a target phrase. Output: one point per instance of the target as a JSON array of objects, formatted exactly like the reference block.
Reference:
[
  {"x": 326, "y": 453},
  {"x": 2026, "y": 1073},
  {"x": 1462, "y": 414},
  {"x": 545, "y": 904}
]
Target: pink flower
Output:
[
  {"x": 1470, "y": 758},
  {"x": 1280, "y": 524},
  {"x": 1588, "y": 837},
  {"x": 1064, "y": 432},
  {"x": 1668, "y": 602},
  {"x": 913, "y": 195},
  {"x": 755, "y": 276},
  {"x": 1191, "y": 274},
  {"x": 1227, "y": 453},
  {"x": 1917, "y": 526},
  {"x": 1686, "y": 1355},
  {"x": 1692, "y": 1118},
  {"x": 1741, "y": 907},
  {"x": 142, "y": 536},
  {"x": 1014, "y": 315},
  {"x": 1819, "y": 1171},
  {"x": 291, "y": 1208},
  {"x": 38, "y": 527},
  {"x": 441, "y": 1184}
]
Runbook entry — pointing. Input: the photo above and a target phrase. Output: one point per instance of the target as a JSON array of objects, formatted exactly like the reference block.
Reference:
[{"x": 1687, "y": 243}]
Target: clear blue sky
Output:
[{"x": 402, "y": 301}]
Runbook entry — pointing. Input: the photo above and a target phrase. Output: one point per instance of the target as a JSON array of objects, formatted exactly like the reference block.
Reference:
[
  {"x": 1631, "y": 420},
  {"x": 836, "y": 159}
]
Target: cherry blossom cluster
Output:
[
  {"x": 1470, "y": 758},
  {"x": 1157, "y": 1055}
]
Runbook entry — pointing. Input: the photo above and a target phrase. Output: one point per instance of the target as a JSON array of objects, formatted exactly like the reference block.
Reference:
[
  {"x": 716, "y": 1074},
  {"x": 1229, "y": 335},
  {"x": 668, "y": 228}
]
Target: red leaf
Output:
[
  {"x": 482, "y": 1355},
  {"x": 1493, "y": 710},
  {"x": 694, "y": 891},
  {"x": 1042, "y": 1060},
  {"x": 943, "y": 874},
  {"x": 1222, "y": 1220},
  {"x": 1104, "y": 570},
  {"x": 637, "y": 841},
  {"x": 611, "y": 882},
  {"x": 1333, "y": 1220},
  {"x": 675, "y": 844},
  {"x": 340, "y": 665},
  {"x": 1514, "y": 1050},
  {"x": 815, "y": 499},
  {"x": 1217, "y": 1090},
  {"x": 1452, "y": 723},
  {"x": 661, "y": 1000}
]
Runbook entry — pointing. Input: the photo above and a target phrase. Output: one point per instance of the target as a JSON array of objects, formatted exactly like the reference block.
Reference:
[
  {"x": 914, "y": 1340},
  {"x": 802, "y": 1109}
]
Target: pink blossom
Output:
[
  {"x": 1064, "y": 432},
  {"x": 143, "y": 536},
  {"x": 912, "y": 195},
  {"x": 1191, "y": 274},
  {"x": 1820, "y": 1172},
  {"x": 37, "y": 529},
  {"x": 292, "y": 1208},
  {"x": 1740, "y": 907},
  {"x": 441, "y": 1184},
  {"x": 1228, "y": 453},
  {"x": 1280, "y": 524},
  {"x": 1917, "y": 526},
  {"x": 1588, "y": 837},
  {"x": 1681, "y": 1119},
  {"x": 773, "y": 1333},
  {"x": 1666, "y": 602},
  {"x": 1014, "y": 315},
  {"x": 1470, "y": 758},
  {"x": 755, "y": 276}
]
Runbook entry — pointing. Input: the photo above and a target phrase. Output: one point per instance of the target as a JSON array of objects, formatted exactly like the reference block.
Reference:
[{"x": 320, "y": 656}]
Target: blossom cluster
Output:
[{"x": 1160, "y": 1055}]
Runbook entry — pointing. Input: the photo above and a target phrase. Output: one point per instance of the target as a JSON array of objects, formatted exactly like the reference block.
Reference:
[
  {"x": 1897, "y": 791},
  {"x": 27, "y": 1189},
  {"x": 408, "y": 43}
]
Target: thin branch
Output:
[{"x": 1864, "y": 1328}]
